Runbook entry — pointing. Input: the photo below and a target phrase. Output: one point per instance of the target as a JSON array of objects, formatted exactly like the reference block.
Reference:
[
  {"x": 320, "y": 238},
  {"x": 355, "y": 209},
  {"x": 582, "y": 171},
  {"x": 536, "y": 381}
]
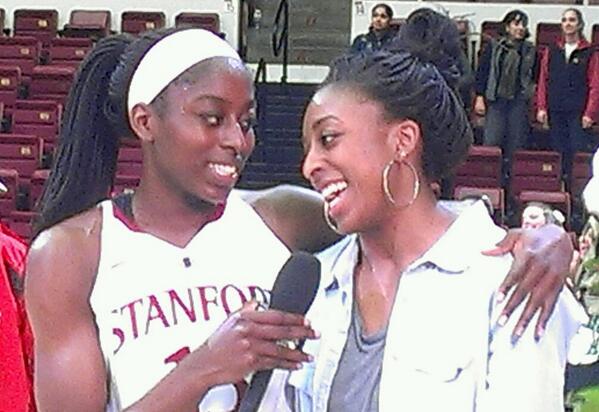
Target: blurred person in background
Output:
[{"x": 380, "y": 32}]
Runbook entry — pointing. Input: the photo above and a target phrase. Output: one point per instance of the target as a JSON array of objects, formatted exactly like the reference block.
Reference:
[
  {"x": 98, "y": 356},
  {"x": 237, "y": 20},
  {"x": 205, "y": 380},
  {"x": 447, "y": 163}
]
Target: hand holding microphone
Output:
[{"x": 249, "y": 340}]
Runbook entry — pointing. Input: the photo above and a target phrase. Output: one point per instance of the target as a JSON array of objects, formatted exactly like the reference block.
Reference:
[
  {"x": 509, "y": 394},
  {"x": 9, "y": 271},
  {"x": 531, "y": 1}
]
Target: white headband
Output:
[{"x": 170, "y": 57}]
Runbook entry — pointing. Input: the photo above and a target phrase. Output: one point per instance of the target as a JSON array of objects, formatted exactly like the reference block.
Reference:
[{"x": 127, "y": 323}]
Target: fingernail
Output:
[
  {"x": 310, "y": 358},
  {"x": 307, "y": 322},
  {"x": 515, "y": 338},
  {"x": 539, "y": 334},
  {"x": 502, "y": 320},
  {"x": 298, "y": 366},
  {"x": 316, "y": 334},
  {"x": 500, "y": 297}
]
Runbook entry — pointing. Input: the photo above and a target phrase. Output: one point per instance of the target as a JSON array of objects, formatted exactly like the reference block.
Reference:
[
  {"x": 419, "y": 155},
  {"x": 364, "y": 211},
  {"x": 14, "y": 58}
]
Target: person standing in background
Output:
[
  {"x": 505, "y": 84},
  {"x": 380, "y": 32},
  {"x": 568, "y": 91}
]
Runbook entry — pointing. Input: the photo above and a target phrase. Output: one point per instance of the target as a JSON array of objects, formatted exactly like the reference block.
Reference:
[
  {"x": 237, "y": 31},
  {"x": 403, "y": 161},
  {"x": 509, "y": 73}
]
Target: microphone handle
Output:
[{"x": 255, "y": 392}]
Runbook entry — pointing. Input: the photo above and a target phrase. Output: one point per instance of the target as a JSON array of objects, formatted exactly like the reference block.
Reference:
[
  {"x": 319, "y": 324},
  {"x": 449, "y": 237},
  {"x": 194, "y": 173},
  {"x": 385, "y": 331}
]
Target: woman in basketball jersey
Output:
[
  {"x": 122, "y": 293},
  {"x": 135, "y": 301}
]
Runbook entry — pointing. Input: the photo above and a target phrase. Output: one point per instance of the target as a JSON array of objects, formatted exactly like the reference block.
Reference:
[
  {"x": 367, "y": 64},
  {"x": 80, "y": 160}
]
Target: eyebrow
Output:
[
  {"x": 322, "y": 120},
  {"x": 250, "y": 105}
]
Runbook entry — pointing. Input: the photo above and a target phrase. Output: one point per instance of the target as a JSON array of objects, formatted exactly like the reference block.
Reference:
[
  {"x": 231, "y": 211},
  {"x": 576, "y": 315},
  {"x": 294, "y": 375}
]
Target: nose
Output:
[
  {"x": 237, "y": 140},
  {"x": 312, "y": 164}
]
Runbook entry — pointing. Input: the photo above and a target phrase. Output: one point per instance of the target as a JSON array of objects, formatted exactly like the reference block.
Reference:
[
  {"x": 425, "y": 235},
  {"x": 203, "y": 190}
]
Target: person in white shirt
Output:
[{"x": 408, "y": 310}]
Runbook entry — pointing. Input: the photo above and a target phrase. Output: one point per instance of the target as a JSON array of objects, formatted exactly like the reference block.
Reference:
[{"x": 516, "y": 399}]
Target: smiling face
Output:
[
  {"x": 516, "y": 29},
  {"x": 202, "y": 133},
  {"x": 570, "y": 23},
  {"x": 347, "y": 145},
  {"x": 380, "y": 19}
]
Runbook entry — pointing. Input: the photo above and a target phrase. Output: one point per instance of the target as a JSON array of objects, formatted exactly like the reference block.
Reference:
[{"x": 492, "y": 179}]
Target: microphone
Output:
[{"x": 294, "y": 291}]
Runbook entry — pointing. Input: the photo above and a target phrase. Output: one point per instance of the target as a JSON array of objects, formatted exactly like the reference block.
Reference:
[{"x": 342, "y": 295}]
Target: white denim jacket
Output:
[{"x": 443, "y": 351}]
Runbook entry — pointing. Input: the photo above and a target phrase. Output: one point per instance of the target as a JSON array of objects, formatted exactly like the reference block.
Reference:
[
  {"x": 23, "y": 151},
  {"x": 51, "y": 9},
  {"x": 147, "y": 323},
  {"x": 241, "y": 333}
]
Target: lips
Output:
[{"x": 332, "y": 192}]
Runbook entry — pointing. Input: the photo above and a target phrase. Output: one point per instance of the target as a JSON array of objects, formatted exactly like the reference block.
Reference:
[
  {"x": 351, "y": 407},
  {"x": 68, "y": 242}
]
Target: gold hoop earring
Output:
[
  {"x": 387, "y": 188},
  {"x": 327, "y": 219}
]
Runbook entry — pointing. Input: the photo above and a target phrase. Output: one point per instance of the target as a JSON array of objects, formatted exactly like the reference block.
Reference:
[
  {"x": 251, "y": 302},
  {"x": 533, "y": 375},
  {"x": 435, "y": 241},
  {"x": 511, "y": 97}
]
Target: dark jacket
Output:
[
  {"x": 489, "y": 70},
  {"x": 571, "y": 85},
  {"x": 370, "y": 42}
]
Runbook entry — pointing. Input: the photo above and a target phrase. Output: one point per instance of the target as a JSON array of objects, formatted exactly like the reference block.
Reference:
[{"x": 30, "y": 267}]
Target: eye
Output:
[
  {"x": 212, "y": 119},
  {"x": 327, "y": 138},
  {"x": 248, "y": 124}
]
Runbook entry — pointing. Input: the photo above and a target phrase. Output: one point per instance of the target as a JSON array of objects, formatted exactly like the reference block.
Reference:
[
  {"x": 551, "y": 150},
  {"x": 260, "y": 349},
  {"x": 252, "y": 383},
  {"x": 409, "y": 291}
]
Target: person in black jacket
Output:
[
  {"x": 380, "y": 33},
  {"x": 505, "y": 84}
]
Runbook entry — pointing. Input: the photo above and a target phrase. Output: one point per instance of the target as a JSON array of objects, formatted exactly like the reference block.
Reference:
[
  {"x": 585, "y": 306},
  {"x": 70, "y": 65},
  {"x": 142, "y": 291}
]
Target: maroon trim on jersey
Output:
[{"x": 131, "y": 225}]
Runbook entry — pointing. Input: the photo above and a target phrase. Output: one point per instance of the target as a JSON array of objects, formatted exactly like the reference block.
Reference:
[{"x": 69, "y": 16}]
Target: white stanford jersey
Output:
[{"x": 155, "y": 302}]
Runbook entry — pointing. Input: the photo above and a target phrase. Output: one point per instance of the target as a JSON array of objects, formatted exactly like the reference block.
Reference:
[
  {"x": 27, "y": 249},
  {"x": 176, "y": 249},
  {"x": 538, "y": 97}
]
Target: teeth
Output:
[
  {"x": 224, "y": 170},
  {"x": 333, "y": 188}
]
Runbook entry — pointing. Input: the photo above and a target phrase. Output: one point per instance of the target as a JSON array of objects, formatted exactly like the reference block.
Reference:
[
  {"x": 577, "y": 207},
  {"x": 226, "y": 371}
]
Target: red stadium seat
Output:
[
  {"x": 10, "y": 85},
  {"x": 22, "y": 153},
  {"x": 548, "y": 33},
  {"x": 208, "y": 21},
  {"x": 41, "y": 24},
  {"x": 23, "y": 52},
  {"x": 535, "y": 170},
  {"x": 68, "y": 51},
  {"x": 8, "y": 199},
  {"x": 123, "y": 183},
  {"x": 93, "y": 24},
  {"x": 129, "y": 162},
  {"x": 38, "y": 180},
  {"x": 581, "y": 173},
  {"x": 21, "y": 223},
  {"x": 136, "y": 22},
  {"x": 51, "y": 83},
  {"x": 495, "y": 194},
  {"x": 40, "y": 118},
  {"x": 482, "y": 168}
]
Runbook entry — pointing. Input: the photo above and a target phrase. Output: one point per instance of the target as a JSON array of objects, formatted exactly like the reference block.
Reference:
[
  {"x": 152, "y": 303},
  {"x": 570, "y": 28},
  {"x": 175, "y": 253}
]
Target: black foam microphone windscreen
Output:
[{"x": 294, "y": 291}]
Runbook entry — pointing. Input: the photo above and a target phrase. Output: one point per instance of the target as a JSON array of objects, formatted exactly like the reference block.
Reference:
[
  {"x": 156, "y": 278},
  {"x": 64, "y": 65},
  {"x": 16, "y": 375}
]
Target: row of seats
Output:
[{"x": 43, "y": 23}]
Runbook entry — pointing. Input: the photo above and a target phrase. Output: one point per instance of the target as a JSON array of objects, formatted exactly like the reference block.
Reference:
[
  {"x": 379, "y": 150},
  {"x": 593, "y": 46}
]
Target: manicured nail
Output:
[
  {"x": 500, "y": 297},
  {"x": 539, "y": 334},
  {"x": 502, "y": 320},
  {"x": 298, "y": 366}
]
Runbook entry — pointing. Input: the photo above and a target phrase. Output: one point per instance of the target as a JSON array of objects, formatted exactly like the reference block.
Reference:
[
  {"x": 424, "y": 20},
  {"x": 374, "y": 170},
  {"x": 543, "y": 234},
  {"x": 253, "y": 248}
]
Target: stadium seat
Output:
[
  {"x": 40, "y": 118},
  {"x": 495, "y": 194},
  {"x": 21, "y": 153},
  {"x": 548, "y": 33},
  {"x": 595, "y": 35},
  {"x": 8, "y": 199},
  {"x": 10, "y": 85},
  {"x": 41, "y": 24},
  {"x": 123, "y": 183},
  {"x": 94, "y": 24},
  {"x": 489, "y": 30},
  {"x": 21, "y": 223},
  {"x": 482, "y": 168},
  {"x": 68, "y": 51},
  {"x": 51, "y": 83},
  {"x": 558, "y": 200},
  {"x": 38, "y": 180},
  {"x": 208, "y": 21},
  {"x": 136, "y": 22},
  {"x": 535, "y": 170},
  {"x": 23, "y": 52},
  {"x": 129, "y": 161}
]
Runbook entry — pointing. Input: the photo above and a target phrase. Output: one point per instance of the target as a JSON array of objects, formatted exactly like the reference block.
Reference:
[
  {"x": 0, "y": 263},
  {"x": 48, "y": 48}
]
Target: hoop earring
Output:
[
  {"x": 327, "y": 219},
  {"x": 387, "y": 188}
]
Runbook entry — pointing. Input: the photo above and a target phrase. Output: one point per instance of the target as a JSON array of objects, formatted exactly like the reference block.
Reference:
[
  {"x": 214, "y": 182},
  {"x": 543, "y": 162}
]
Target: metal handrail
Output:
[
  {"x": 280, "y": 36},
  {"x": 260, "y": 72}
]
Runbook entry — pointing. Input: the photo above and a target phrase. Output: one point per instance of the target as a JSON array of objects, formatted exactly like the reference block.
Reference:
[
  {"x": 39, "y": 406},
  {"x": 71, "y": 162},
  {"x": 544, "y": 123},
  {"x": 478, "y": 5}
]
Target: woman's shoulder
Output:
[{"x": 66, "y": 252}]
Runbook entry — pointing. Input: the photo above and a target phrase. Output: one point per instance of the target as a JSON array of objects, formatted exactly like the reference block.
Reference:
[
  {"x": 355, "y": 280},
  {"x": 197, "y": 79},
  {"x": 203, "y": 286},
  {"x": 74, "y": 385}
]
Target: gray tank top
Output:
[{"x": 356, "y": 384}]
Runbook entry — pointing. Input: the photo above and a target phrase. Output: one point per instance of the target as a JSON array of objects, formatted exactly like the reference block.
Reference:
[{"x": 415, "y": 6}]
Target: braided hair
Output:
[
  {"x": 94, "y": 121},
  {"x": 415, "y": 82}
]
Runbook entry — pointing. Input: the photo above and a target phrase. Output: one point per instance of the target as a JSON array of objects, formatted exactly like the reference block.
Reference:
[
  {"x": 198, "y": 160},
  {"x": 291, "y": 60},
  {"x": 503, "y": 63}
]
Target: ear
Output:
[
  {"x": 405, "y": 136},
  {"x": 142, "y": 119}
]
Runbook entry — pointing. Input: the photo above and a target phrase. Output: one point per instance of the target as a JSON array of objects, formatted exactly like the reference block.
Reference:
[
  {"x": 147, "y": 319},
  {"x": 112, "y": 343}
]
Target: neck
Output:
[
  {"x": 405, "y": 236},
  {"x": 572, "y": 38},
  {"x": 160, "y": 211}
]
